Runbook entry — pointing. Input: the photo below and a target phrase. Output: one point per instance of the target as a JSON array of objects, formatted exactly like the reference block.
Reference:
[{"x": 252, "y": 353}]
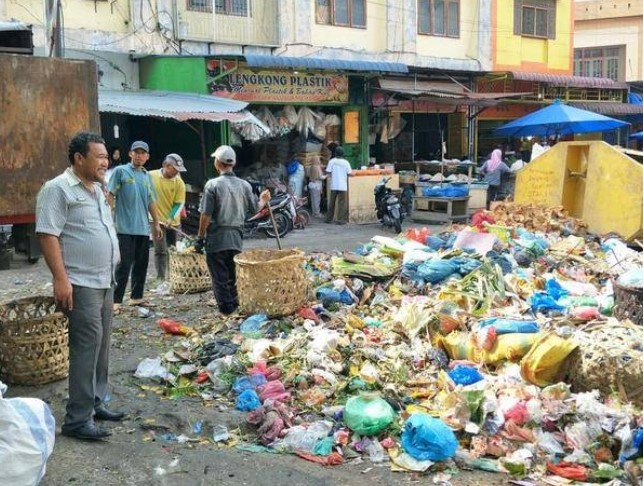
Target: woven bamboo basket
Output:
[
  {"x": 189, "y": 273},
  {"x": 609, "y": 359},
  {"x": 271, "y": 281},
  {"x": 33, "y": 342},
  {"x": 628, "y": 303}
]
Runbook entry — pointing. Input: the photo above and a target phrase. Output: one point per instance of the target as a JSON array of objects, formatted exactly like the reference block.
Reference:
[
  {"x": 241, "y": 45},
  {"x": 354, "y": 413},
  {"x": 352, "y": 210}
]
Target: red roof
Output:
[{"x": 568, "y": 81}]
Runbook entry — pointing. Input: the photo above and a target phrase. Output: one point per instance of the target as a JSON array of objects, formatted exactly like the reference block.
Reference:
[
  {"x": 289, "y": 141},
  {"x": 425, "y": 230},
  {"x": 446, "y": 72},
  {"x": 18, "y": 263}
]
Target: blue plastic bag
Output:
[
  {"x": 465, "y": 375},
  {"x": 507, "y": 326},
  {"x": 543, "y": 302},
  {"x": 555, "y": 290},
  {"x": 434, "y": 271},
  {"x": 248, "y": 382},
  {"x": 426, "y": 438},
  {"x": 253, "y": 324},
  {"x": 247, "y": 401},
  {"x": 330, "y": 296},
  {"x": 434, "y": 242}
]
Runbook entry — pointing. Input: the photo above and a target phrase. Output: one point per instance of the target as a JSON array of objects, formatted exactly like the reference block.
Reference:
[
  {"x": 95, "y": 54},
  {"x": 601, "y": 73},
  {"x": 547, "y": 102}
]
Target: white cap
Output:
[{"x": 225, "y": 154}]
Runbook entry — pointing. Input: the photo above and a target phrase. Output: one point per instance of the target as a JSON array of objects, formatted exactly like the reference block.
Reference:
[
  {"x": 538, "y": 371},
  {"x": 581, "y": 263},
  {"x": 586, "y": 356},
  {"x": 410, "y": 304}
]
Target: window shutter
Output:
[
  {"x": 552, "y": 17},
  {"x": 517, "y": 16}
]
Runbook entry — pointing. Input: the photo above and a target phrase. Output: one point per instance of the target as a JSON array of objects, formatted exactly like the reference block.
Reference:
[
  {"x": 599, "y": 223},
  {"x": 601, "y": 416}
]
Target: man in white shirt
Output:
[{"x": 340, "y": 170}]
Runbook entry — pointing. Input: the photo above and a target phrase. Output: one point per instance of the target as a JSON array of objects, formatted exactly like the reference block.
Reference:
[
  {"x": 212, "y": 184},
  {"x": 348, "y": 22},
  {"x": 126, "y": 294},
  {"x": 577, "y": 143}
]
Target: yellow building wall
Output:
[
  {"x": 453, "y": 48},
  {"x": 592, "y": 180},
  {"x": 373, "y": 38},
  {"x": 512, "y": 52},
  {"x": 260, "y": 28},
  {"x": 113, "y": 16}
]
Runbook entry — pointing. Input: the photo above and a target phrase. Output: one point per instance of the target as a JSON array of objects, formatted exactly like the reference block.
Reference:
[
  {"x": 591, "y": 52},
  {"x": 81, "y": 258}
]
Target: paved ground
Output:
[{"x": 130, "y": 457}]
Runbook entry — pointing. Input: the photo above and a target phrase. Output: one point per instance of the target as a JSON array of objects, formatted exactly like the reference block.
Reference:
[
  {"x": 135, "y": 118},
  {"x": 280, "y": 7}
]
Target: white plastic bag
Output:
[{"x": 27, "y": 434}]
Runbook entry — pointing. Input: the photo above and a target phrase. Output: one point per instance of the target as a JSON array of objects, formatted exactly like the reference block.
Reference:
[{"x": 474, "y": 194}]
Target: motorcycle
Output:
[
  {"x": 261, "y": 220},
  {"x": 299, "y": 215},
  {"x": 388, "y": 208}
]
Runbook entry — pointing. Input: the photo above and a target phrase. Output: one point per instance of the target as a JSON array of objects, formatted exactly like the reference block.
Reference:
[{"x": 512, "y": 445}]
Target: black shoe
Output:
[
  {"x": 102, "y": 413},
  {"x": 88, "y": 431}
]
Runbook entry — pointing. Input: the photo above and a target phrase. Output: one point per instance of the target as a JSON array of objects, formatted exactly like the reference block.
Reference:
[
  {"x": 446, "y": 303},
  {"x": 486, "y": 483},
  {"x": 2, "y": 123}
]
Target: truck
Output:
[{"x": 43, "y": 101}]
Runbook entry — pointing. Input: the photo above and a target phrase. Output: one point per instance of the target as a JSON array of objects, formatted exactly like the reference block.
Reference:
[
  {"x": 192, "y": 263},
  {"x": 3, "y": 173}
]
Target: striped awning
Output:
[
  {"x": 608, "y": 107},
  {"x": 321, "y": 63},
  {"x": 568, "y": 81}
]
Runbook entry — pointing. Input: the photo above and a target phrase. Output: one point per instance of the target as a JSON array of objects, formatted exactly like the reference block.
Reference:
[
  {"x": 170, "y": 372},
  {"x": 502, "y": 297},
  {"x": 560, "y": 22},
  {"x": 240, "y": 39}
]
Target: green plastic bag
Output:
[{"x": 368, "y": 414}]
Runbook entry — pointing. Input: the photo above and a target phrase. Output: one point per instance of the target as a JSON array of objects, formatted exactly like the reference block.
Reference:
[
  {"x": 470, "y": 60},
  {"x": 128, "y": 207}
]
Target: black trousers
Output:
[
  {"x": 221, "y": 265},
  {"x": 135, "y": 253}
]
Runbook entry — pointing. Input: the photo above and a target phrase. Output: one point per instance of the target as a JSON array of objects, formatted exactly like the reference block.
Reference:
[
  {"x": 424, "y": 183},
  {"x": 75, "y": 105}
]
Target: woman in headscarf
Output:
[
  {"x": 492, "y": 171},
  {"x": 316, "y": 176}
]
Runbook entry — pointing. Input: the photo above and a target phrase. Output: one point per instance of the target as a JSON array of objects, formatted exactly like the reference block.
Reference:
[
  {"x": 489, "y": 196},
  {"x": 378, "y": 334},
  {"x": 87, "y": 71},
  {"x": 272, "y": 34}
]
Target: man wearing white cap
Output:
[
  {"x": 171, "y": 197},
  {"x": 225, "y": 202}
]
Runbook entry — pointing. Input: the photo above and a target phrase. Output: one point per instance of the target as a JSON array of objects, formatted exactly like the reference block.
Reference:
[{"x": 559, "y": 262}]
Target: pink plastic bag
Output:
[
  {"x": 273, "y": 390},
  {"x": 517, "y": 413},
  {"x": 271, "y": 373}
]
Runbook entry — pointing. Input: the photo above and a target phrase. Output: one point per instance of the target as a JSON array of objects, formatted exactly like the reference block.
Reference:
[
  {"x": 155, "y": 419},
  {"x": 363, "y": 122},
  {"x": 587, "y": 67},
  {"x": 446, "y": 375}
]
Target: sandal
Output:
[{"x": 116, "y": 309}]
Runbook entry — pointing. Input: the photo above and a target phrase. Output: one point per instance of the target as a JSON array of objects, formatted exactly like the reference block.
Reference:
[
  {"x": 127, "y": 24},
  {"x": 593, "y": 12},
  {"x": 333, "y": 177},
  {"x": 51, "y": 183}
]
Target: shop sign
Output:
[{"x": 274, "y": 86}]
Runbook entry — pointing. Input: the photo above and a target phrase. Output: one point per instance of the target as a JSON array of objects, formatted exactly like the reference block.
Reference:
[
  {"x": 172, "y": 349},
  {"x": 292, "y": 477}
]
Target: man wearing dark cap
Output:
[
  {"x": 340, "y": 170},
  {"x": 170, "y": 191},
  {"x": 225, "y": 202},
  {"x": 132, "y": 194}
]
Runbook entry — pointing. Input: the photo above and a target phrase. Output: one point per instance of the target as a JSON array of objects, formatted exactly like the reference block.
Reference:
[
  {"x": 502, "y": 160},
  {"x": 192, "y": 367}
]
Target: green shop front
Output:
[{"x": 304, "y": 105}]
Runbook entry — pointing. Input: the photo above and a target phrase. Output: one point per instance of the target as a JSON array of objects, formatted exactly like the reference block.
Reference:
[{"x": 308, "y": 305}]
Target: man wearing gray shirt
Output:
[
  {"x": 225, "y": 202},
  {"x": 78, "y": 240}
]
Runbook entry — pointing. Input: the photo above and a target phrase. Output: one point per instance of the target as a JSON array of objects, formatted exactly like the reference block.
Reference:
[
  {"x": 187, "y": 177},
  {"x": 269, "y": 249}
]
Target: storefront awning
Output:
[
  {"x": 567, "y": 81},
  {"x": 445, "y": 92},
  {"x": 608, "y": 108},
  {"x": 283, "y": 62},
  {"x": 175, "y": 106}
]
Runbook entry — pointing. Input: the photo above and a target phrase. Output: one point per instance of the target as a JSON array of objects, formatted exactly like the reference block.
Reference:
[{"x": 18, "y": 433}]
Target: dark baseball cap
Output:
[
  {"x": 176, "y": 161},
  {"x": 139, "y": 144}
]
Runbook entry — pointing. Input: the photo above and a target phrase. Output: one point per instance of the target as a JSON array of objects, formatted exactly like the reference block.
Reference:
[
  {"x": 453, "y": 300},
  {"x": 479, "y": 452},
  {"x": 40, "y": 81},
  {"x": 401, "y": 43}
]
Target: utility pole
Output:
[{"x": 53, "y": 17}]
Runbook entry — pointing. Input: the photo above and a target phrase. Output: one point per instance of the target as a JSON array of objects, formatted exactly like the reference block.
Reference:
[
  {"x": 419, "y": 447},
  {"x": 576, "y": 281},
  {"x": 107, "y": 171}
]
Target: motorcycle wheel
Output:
[
  {"x": 283, "y": 224},
  {"x": 397, "y": 226},
  {"x": 302, "y": 218}
]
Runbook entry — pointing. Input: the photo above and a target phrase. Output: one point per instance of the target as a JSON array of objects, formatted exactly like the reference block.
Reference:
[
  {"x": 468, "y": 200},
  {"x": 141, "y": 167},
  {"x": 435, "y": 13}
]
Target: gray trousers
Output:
[
  {"x": 161, "y": 251},
  {"x": 90, "y": 327}
]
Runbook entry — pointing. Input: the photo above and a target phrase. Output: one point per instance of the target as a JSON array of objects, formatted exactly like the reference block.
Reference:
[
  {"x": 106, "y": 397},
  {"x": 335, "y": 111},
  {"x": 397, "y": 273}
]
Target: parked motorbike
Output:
[
  {"x": 388, "y": 209},
  {"x": 261, "y": 220},
  {"x": 299, "y": 214}
]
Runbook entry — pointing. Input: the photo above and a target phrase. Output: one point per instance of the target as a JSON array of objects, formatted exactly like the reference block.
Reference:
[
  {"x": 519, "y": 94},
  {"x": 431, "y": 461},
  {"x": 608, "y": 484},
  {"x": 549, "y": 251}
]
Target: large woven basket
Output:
[
  {"x": 271, "y": 281},
  {"x": 33, "y": 342},
  {"x": 609, "y": 358},
  {"x": 628, "y": 303},
  {"x": 189, "y": 273}
]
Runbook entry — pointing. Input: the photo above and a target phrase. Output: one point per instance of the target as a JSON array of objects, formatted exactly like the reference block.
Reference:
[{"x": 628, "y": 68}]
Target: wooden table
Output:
[{"x": 440, "y": 209}]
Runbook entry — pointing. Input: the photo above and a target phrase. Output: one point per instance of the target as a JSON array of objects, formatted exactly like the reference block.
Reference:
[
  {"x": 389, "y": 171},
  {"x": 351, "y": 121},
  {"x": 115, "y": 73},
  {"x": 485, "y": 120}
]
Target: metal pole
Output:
[{"x": 277, "y": 235}]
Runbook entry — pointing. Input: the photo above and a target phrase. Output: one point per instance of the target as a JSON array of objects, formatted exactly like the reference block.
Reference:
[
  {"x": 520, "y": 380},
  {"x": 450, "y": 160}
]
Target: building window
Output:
[
  {"x": 238, "y": 8},
  {"x": 199, "y": 5},
  {"x": 535, "y": 18},
  {"x": 600, "y": 62},
  {"x": 439, "y": 17},
  {"x": 347, "y": 13}
]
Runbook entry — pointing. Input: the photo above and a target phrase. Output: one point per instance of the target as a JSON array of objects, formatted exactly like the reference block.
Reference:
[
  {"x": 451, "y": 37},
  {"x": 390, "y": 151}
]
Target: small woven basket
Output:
[
  {"x": 609, "y": 358},
  {"x": 189, "y": 273},
  {"x": 628, "y": 303},
  {"x": 271, "y": 281},
  {"x": 34, "y": 342}
]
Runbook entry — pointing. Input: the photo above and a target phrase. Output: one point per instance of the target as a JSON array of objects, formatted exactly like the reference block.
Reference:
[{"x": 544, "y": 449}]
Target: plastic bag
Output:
[
  {"x": 542, "y": 364},
  {"x": 518, "y": 413},
  {"x": 540, "y": 302},
  {"x": 368, "y": 414},
  {"x": 152, "y": 368},
  {"x": 465, "y": 375},
  {"x": 273, "y": 390},
  {"x": 253, "y": 324},
  {"x": 247, "y": 401},
  {"x": 248, "y": 382},
  {"x": 434, "y": 271},
  {"x": 419, "y": 235},
  {"x": 575, "y": 472},
  {"x": 426, "y": 438},
  {"x": 330, "y": 296},
  {"x": 485, "y": 338},
  {"x": 27, "y": 440},
  {"x": 508, "y": 347},
  {"x": 507, "y": 326}
]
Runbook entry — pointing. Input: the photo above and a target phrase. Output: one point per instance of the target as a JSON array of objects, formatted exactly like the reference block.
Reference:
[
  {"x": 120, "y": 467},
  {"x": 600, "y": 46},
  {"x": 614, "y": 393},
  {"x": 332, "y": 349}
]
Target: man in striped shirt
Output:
[{"x": 78, "y": 240}]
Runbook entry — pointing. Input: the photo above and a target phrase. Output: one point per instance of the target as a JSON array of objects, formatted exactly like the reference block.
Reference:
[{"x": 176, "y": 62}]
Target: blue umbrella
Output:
[
  {"x": 636, "y": 136},
  {"x": 559, "y": 119}
]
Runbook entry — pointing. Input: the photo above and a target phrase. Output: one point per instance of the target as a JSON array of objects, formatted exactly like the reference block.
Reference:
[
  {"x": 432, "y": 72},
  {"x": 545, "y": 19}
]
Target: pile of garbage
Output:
[{"x": 487, "y": 347}]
